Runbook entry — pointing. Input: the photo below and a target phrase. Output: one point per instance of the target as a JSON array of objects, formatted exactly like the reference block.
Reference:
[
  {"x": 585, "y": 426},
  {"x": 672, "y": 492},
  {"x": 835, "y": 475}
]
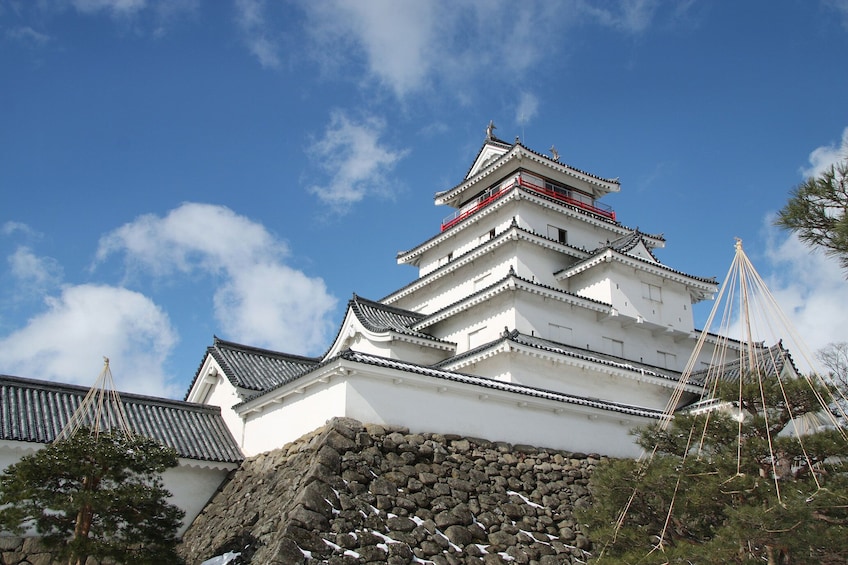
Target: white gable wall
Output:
[{"x": 213, "y": 387}]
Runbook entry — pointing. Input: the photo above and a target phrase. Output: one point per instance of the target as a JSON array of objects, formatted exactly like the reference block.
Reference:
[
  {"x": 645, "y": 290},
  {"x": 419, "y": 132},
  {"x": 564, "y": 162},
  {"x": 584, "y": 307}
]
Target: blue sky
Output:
[{"x": 173, "y": 170}]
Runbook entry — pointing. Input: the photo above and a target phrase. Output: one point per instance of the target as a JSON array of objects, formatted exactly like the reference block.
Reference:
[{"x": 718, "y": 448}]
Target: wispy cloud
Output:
[
  {"x": 250, "y": 16},
  {"x": 413, "y": 47},
  {"x": 9, "y": 228},
  {"x": 528, "y": 107},
  {"x": 27, "y": 35},
  {"x": 34, "y": 272},
  {"x": 260, "y": 299},
  {"x": 357, "y": 162},
  {"x": 841, "y": 8},
  {"x": 112, "y": 7}
]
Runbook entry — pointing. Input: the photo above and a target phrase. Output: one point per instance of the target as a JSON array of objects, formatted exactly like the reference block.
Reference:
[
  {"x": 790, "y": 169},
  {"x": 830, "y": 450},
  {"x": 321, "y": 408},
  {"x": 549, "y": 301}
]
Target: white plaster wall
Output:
[
  {"x": 574, "y": 379},
  {"x": 454, "y": 286},
  {"x": 580, "y": 232},
  {"x": 482, "y": 323},
  {"x": 297, "y": 414},
  {"x": 192, "y": 484},
  {"x": 224, "y": 395},
  {"x": 466, "y": 413}
]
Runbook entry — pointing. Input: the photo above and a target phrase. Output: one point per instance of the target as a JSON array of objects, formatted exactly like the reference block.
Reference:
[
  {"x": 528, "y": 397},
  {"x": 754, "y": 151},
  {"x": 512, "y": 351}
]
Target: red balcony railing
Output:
[{"x": 557, "y": 193}]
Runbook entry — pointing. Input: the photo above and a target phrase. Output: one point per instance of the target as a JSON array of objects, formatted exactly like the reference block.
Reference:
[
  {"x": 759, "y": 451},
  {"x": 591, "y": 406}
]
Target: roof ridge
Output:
[
  {"x": 126, "y": 397},
  {"x": 260, "y": 350},
  {"x": 388, "y": 307}
]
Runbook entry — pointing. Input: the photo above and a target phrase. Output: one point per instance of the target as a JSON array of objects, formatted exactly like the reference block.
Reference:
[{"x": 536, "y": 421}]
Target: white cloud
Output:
[
  {"x": 113, "y": 7},
  {"x": 397, "y": 39},
  {"x": 841, "y": 7},
  {"x": 809, "y": 286},
  {"x": 85, "y": 323},
  {"x": 35, "y": 272},
  {"x": 823, "y": 157},
  {"x": 528, "y": 107},
  {"x": 260, "y": 300},
  {"x": 409, "y": 47},
  {"x": 811, "y": 290},
  {"x": 357, "y": 162},
  {"x": 9, "y": 228},
  {"x": 26, "y": 34},
  {"x": 251, "y": 20}
]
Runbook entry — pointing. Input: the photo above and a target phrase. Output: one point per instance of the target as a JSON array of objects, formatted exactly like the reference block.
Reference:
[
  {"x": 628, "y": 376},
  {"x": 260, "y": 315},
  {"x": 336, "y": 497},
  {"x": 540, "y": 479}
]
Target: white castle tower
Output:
[{"x": 536, "y": 317}]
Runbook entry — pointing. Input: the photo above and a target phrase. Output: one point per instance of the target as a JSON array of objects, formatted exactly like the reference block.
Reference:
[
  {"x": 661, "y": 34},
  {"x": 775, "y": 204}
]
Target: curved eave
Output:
[
  {"x": 587, "y": 361},
  {"x": 517, "y": 156},
  {"x": 508, "y": 284},
  {"x": 700, "y": 287},
  {"x": 412, "y": 256},
  {"x": 351, "y": 363},
  {"x": 352, "y": 326},
  {"x": 513, "y": 233}
]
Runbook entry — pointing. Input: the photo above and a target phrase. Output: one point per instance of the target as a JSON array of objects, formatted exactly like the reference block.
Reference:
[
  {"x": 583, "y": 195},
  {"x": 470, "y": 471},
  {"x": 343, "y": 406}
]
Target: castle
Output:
[{"x": 537, "y": 317}]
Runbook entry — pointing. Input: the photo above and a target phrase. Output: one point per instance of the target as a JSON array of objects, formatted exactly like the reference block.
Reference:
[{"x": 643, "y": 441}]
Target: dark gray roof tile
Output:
[
  {"x": 254, "y": 368},
  {"x": 37, "y": 411}
]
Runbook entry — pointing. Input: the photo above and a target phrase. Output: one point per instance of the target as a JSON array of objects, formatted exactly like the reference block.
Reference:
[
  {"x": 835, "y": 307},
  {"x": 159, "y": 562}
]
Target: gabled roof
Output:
[
  {"x": 253, "y": 368},
  {"x": 632, "y": 241},
  {"x": 378, "y": 317},
  {"x": 36, "y": 411},
  {"x": 503, "y": 153}
]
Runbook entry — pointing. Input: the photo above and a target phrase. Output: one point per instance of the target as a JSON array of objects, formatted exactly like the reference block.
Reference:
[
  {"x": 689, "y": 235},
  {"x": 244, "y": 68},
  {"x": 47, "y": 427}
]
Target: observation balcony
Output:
[{"x": 561, "y": 194}]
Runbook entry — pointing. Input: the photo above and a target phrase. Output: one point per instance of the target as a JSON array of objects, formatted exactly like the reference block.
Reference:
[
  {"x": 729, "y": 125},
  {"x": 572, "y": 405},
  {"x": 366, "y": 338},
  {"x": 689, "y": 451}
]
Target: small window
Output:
[
  {"x": 557, "y": 234},
  {"x": 446, "y": 259},
  {"x": 614, "y": 346},
  {"x": 482, "y": 281},
  {"x": 651, "y": 292},
  {"x": 560, "y": 334},
  {"x": 476, "y": 337},
  {"x": 666, "y": 360}
]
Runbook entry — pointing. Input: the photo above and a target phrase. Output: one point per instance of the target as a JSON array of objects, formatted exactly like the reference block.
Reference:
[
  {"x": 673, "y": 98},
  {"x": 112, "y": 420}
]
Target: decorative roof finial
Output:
[
  {"x": 554, "y": 152},
  {"x": 490, "y": 130}
]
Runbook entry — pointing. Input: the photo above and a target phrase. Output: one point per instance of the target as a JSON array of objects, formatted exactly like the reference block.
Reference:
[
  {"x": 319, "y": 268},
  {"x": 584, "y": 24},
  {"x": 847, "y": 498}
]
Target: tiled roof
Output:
[
  {"x": 36, "y": 411},
  {"x": 378, "y": 317},
  {"x": 594, "y": 258},
  {"x": 510, "y": 146},
  {"x": 628, "y": 242},
  {"x": 254, "y": 368},
  {"x": 576, "y": 352},
  {"x": 485, "y": 382},
  {"x": 771, "y": 362},
  {"x": 526, "y": 283}
]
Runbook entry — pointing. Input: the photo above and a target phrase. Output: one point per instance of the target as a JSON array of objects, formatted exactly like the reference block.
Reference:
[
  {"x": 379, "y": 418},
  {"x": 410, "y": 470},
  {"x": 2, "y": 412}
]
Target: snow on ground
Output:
[{"x": 221, "y": 559}]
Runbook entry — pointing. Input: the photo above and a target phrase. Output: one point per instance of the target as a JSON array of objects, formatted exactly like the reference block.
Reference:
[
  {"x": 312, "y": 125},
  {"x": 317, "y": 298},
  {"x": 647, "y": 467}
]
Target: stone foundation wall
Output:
[
  {"x": 29, "y": 551},
  {"x": 352, "y": 493}
]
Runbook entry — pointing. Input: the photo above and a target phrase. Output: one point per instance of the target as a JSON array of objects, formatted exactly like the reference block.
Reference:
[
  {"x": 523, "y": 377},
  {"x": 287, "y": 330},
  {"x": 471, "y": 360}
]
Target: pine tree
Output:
[
  {"x": 816, "y": 211},
  {"x": 98, "y": 495},
  {"x": 732, "y": 486}
]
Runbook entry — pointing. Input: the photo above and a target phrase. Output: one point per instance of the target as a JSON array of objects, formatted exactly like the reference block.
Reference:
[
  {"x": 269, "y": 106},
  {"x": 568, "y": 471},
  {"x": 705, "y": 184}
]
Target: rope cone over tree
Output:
[
  {"x": 96, "y": 491},
  {"x": 753, "y": 473}
]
